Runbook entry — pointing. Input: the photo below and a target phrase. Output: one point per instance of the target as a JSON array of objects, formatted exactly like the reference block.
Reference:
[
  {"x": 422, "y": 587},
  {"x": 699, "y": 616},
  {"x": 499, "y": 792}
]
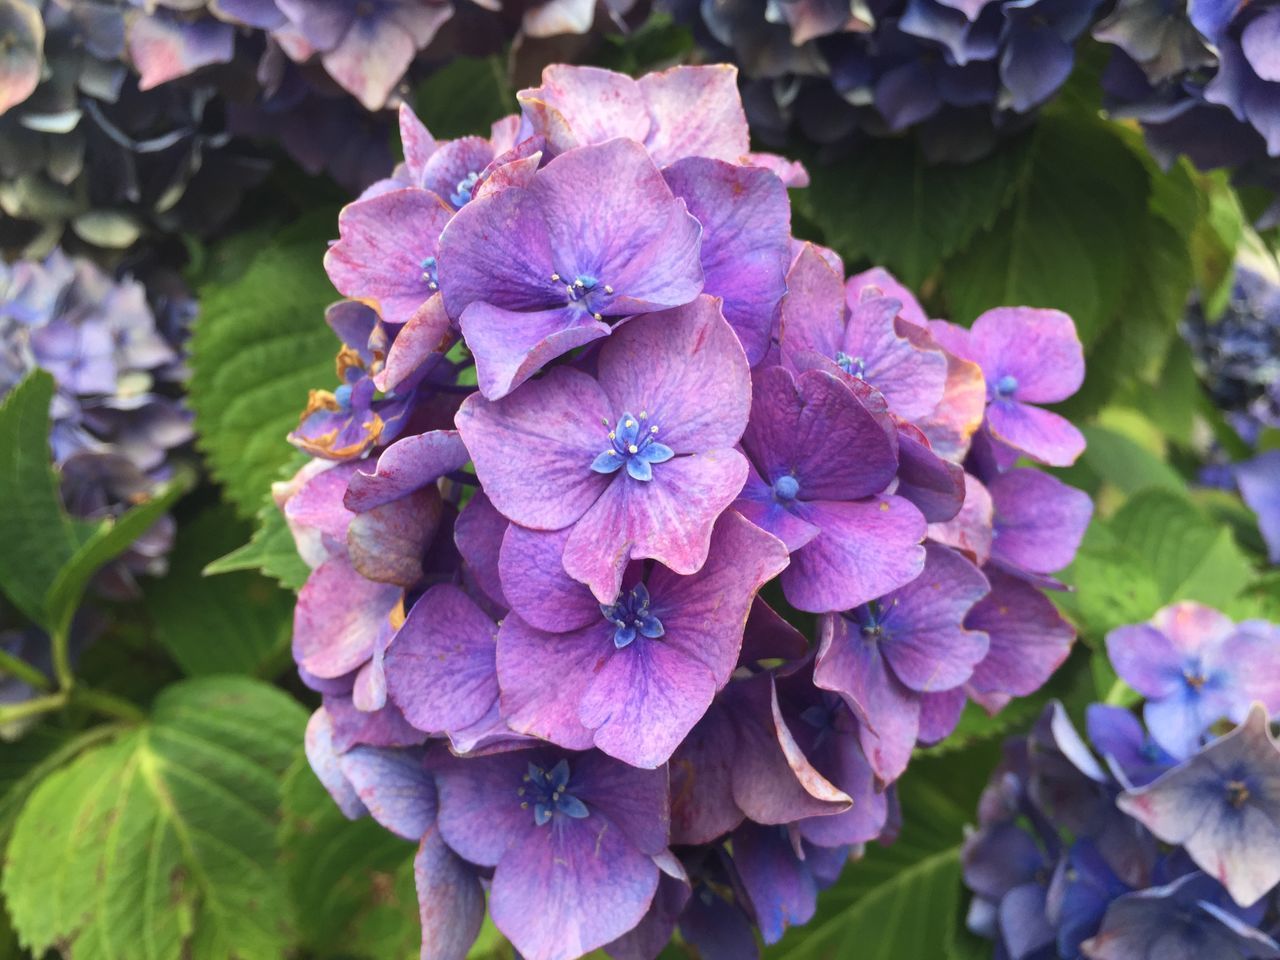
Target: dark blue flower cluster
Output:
[
  {"x": 1237, "y": 356},
  {"x": 960, "y": 71},
  {"x": 1203, "y": 78},
  {"x": 1169, "y": 845}
]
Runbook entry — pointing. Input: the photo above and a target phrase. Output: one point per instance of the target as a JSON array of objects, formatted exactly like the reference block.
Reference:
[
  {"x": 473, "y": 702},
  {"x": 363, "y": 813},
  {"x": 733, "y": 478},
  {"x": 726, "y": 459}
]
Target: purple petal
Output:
[
  {"x": 440, "y": 668},
  {"x": 387, "y": 543},
  {"x": 480, "y": 816},
  {"x": 394, "y": 786},
  {"x": 1039, "y": 520},
  {"x": 686, "y": 370},
  {"x": 696, "y": 112},
  {"x": 758, "y": 504},
  {"x": 337, "y": 617},
  {"x": 511, "y": 346},
  {"x": 934, "y": 485},
  {"x": 564, "y": 890},
  {"x": 581, "y": 105},
  {"x": 536, "y": 584},
  {"x": 324, "y": 760},
  {"x": 533, "y": 450},
  {"x": 1028, "y": 637},
  {"x": 814, "y": 428},
  {"x": 866, "y": 549},
  {"x": 384, "y": 241},
  {"x": 543, "y": 677},
  {"x": 969, "y": 531},
  {"x": 450, "y": 900},
  {"x": 1040, "y": 434},
  {"x": 813, "y": 312},
  {"x": 782, "y": 892},
  {"x": 1261, "y": 44},
  {"x": 1038, "y": 348},
  {"x": 912, "y": 379},
  {"x": 1259, "y": 482},
  {"x": 407, "y": 465},
  {"x": 163, "y": 47},
  {"x": 889, "y": 285},
  {"x": 1145, "y": 659},
  {"x": 702, "y": 805},
  {"x": 856, "y": 669},
  {"x": 940, "y": 714},
  {"x": 668, "y": 519},
  {"x": 478, "y": 534},
  {"x": 1223, "y": 807},
  {"x": 746, "y": 228}
]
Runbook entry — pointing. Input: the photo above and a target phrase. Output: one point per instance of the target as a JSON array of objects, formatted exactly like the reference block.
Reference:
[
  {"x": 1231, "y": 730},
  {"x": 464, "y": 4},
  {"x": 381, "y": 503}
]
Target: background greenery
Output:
[{"x": 161, "y": 807}]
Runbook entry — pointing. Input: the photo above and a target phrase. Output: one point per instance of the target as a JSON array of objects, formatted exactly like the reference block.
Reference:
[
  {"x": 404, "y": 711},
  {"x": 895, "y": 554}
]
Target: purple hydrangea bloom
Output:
[
  {"x": 632, "y": 676},
  {"x": 574, "y": 841},
  {"x": 575, "y": 442},
  {"x": 637, "y": 461},
  {"x": 882, "y": 656},
  {"x": 820, "y": 463},
  {"x": 1195, "y": 667}
]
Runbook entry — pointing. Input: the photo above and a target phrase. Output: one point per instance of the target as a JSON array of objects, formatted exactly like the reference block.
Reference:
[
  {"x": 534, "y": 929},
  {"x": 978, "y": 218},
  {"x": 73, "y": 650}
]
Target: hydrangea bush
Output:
[
  {"x": 1159, "y": 836},
  {"x": 645, "y": 545},
  {"x": 961, "y": 72}
]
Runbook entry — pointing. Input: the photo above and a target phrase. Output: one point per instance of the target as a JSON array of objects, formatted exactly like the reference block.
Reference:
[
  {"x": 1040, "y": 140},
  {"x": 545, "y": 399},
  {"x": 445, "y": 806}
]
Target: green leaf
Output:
[
  {"x": 26, "y": 763},
  {"x": 160, "y": 846},
  {"x": 38, "y": 535},
  {"x": 1113, "y": 585},
  {"x": 888, "y": 205},
  {"x": 270, "y": 550},
  {"x": 260, "y": 345},
  {"x": 109, "y": 539},
  {"x": 239, "y": 623},
  {"x": 465, "y": 97},
  {"x": 1214, "y": 241},
  {"x": 904, "y": 900},
  {"x": 1121, "y": 462},
  {"x": 351, "y": 882},
  {"x": 1070, "y": 235},
  {"x": 1191, "y": 557}
]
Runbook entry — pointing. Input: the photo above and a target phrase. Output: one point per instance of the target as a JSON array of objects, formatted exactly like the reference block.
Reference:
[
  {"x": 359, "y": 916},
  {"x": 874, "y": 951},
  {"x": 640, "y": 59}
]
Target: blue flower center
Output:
[
  {"x": 1006, "y": 385},
  {"x": 786, "y": 487},
  {"x": 343, "y": 396},
  {"x": 633, "y": 444},
  {"x": 872, "y": 619},
  {"x": 547, "y": 792},
  {"x": 429, "y": 272},
  {"x": 631, "y": 618},
  {"x": 462, "y": 192},
  {"x": 854, "y": 366},
  {"x": 586, "y": 291}
]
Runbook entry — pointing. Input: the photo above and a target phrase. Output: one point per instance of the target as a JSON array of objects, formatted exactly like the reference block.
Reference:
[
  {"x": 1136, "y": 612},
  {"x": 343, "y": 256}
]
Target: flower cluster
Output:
[
  {"x": 1237, "y": 357},
  {"x": 1203, "y": 79},
  {"x": 1169, "y": 846},
  {"x": 960, "y": 71},
  {"x": 594, "y": 398},
  {"x": 123, "y": 117},
  {"x": 115, "y": 422},
  {"x": 88, "y": 150}
]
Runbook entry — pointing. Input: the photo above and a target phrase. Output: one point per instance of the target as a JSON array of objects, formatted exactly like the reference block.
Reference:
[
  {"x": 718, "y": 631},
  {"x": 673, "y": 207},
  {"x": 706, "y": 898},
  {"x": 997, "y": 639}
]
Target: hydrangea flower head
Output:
[
  {"x": 1150, "y": 853},
  {"x": 595, "y": 400},
  {"x": 1195, "y": 667}
]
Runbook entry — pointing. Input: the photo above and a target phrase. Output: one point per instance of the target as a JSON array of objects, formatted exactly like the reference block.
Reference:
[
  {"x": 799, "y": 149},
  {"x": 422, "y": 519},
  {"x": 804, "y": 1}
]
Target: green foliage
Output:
[
  {"x": 1069, "y": 237},
  {"x": 160, "y": 844},
  {"x": 886, "y": 205},
  {"x": 40, "y": 538},
  {"x": 270, "y": 550},
  {"x": 260, "y": 344},
  {"x": 56, "y": 555},
  {"x": 464, "y": 97},
  {"x": 239, "y": 623}
]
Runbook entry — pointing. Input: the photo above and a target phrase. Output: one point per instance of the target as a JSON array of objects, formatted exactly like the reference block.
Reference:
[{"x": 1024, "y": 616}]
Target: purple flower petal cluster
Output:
[
  {"x": 594, "y": 399},
  {"x": 961, "y": 72},
  {"x": 116, "y": 419},
  {"x": 1169, "y": 844},
  {"x": 1203, "y": 78}
]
